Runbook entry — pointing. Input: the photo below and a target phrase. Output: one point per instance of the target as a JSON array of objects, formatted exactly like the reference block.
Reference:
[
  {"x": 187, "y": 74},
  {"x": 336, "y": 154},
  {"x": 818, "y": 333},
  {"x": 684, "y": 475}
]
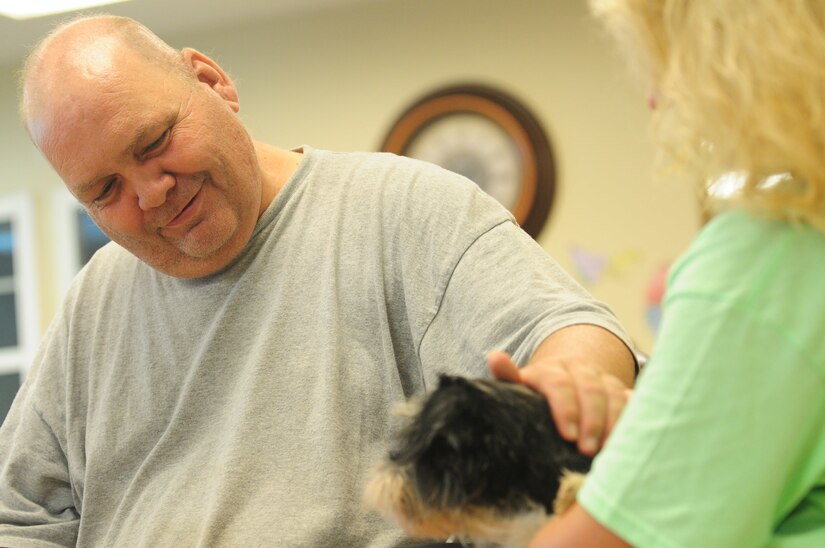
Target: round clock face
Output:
[
  {"x": 488, "y": 137},
  {"x": 477, "y": 148}
]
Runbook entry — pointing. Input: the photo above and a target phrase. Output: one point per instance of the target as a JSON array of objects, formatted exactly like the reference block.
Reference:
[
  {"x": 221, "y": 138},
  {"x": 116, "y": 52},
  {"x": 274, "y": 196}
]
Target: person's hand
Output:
[{"x": 584, "y": 401}]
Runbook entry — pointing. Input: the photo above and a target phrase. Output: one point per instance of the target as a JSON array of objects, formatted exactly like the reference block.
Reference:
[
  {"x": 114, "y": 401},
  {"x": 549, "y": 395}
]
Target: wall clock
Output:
[{"x": 488, "y": 136}]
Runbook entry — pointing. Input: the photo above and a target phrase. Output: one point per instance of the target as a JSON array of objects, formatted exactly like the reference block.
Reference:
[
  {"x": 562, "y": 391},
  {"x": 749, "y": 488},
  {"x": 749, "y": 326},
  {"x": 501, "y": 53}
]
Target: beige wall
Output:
[{"x": 337, "y": 79}]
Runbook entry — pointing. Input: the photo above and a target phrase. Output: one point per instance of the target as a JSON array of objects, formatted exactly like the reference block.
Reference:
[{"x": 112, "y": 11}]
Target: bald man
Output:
[{"x": 222, "y": 374}]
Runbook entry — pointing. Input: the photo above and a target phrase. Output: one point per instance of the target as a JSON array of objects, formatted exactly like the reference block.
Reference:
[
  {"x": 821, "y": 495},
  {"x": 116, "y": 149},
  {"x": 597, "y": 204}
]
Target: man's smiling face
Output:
[{"x": 158, "y": 157}]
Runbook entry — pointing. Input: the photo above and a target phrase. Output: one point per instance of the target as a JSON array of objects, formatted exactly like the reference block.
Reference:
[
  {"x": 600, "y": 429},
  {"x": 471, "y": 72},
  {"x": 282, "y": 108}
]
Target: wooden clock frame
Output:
[{"x": 538, "y": 174}]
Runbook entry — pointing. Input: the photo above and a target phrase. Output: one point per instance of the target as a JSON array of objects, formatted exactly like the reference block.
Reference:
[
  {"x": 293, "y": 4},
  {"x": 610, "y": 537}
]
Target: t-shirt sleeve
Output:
[
  {"x": 506, "y": 293},
  {"x": 37, "y": 499},
  {"x": 473, "y": 281},
  {"x": 36, "y": 503}
]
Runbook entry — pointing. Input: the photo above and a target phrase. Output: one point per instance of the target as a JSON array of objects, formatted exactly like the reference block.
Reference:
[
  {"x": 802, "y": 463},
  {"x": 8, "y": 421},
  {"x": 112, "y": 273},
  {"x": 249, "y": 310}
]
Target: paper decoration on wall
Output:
[
  {"x": 655, "y": 294},
  {"x": 591, "y": 267}
]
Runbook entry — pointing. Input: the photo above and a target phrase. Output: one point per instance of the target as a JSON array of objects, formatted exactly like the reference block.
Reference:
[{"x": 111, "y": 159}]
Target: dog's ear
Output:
[{"x": 445, "y": 381}]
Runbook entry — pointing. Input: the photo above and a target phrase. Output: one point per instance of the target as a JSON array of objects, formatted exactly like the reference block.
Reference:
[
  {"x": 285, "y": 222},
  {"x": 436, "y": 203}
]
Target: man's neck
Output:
[{"x": 277, "y": 166}]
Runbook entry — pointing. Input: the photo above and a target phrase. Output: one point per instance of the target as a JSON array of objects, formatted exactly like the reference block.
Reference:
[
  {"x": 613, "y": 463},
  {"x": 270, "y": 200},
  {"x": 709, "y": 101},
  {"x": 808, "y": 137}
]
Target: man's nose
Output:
[{"x": 152, "y": 189}]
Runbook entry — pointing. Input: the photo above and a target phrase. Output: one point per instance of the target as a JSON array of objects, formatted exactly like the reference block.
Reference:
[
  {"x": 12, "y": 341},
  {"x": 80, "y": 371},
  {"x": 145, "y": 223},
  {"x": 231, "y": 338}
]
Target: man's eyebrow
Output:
[
  {"x": 128, "y": 151},
  {"x": 140, "y": 135},
  {"x": 146, "y": 129}
]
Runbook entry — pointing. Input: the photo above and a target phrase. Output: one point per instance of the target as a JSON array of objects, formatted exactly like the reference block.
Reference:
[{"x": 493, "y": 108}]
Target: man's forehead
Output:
[
  {"x": 75, "y": 54},
  {"x": 103, "y": 89},
  {"x": 66, "y": 75},
  {"x": 95, "y": 59}
]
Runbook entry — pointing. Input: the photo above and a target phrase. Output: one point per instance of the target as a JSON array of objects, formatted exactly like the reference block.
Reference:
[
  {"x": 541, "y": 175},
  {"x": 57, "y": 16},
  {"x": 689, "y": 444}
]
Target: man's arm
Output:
[
  {"x": 36, "y": 502},
  {"x": 585, "y": 372}
]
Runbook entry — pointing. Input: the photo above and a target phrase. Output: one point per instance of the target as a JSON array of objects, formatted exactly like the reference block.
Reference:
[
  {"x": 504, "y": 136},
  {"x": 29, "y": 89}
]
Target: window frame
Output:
[
  {"x": 18, "y": 211},
  {"x": 67, "y": 251}
]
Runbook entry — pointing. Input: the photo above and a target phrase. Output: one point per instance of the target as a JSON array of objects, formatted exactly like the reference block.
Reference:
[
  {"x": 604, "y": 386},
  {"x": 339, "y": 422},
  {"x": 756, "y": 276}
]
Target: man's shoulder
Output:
[
  {"x": 381, "y": 162},
  {"x": 110, "y": 266}
]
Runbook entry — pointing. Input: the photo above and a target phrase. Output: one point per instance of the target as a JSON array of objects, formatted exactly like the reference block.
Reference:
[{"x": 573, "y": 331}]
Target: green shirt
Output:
[{"x": 723, "y": 443}]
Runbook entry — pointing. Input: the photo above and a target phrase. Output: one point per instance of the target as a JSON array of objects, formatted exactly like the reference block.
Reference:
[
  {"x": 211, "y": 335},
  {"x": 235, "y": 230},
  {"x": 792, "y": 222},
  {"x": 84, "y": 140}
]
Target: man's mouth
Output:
[{"x": 186, "y": 213}]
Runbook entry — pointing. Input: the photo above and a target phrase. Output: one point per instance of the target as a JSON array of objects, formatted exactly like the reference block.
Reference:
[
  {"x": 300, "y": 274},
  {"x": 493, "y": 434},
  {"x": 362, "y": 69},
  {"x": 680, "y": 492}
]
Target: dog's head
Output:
[{"x": 478, "y": 458}]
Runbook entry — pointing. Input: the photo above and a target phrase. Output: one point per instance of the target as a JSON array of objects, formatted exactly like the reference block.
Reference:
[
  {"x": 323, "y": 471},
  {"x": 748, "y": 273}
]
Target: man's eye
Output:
[
  {"x": 156, "y": 143},
  {"x": 105, "y": 191}
]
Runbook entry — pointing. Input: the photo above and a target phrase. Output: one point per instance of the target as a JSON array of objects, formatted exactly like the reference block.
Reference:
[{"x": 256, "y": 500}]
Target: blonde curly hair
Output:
[{"x": 743, "y": 92}]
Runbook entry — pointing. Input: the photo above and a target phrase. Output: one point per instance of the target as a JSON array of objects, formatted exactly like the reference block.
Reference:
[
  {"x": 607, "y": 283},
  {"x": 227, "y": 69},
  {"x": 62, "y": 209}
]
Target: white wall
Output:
[{"x": 337, "y": 79}]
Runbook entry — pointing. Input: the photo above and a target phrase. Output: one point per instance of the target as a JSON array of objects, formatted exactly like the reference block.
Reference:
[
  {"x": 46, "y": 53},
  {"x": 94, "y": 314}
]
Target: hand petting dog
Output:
[
  {"x": 492, "y": 460},
  {"x": 586, "y": 384}
]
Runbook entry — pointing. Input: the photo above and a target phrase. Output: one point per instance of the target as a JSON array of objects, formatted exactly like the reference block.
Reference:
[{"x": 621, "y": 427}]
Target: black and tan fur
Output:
[{"x": 480, "y": 460}]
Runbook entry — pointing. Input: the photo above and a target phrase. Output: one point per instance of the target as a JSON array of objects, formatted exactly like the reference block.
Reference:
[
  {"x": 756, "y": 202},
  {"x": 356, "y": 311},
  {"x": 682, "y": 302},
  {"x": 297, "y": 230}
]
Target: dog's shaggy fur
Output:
[{"x": 480, "y": 460}]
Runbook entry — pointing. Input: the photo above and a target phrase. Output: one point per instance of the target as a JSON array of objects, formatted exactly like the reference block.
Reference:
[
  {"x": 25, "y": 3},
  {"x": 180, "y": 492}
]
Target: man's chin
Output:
[
  {"x": 190, "y": 267},
  {"x": 189, "y": 259}
]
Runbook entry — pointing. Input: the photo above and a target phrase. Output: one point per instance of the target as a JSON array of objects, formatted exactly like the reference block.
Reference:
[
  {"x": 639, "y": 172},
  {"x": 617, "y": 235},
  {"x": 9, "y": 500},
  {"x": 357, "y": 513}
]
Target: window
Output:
[
  {"x": 77, "y": 238},
  {"x": 18, "y": 294}
]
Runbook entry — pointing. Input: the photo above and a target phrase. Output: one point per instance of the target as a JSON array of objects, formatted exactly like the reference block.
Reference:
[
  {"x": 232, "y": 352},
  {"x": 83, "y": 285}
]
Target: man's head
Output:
[{"x": 147, "y": 138}]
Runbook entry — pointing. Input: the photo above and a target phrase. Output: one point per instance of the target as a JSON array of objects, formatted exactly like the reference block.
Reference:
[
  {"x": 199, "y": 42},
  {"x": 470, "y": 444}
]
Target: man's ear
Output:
[{"x": 208, "y": 72}]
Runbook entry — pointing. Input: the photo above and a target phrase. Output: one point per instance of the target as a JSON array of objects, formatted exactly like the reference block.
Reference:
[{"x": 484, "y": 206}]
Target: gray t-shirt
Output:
[{"x": 246, "y": 408}]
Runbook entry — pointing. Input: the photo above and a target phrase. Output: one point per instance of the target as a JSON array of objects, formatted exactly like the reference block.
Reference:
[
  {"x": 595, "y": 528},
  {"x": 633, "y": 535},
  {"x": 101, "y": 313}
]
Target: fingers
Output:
[
  {"x": 502, "y": 367},
  {"x": 593, "y": 405},
  {"x": 601, "y": 398},
  {"x": 578, "y": 401},
  {"x": 617, "y": 397},
  {"x": 553, "y": 382},
  {"x": 556, "y": 384},
  {"x": 585, "y": 402}
]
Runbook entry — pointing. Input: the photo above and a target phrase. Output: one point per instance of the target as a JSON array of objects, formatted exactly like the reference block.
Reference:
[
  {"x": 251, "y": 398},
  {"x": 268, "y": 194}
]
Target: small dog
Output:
[{"x": 479, "y": 460}]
